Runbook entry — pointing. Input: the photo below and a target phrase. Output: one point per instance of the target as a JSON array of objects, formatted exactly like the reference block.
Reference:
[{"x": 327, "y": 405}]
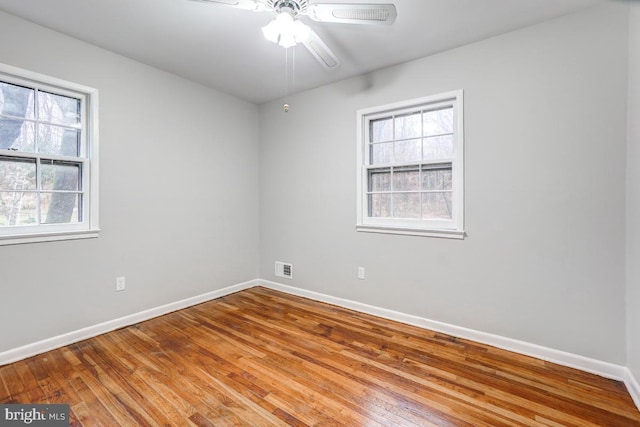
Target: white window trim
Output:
[
  {"x": 453, "y": 229},
  {"x": 90, "y": 149}
]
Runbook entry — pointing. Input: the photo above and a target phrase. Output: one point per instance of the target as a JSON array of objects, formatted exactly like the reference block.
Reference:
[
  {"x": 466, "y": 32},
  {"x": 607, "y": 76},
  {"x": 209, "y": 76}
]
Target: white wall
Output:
[
  {"x": 633, "y": 194},
  {"x": 178, "y": 195},
  {"x": 545, "y": 123}
]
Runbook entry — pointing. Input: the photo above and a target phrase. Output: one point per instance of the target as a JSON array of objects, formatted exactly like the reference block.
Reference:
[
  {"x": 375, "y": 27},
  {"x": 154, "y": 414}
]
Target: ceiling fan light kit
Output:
[{"x": 285, "y": 30}]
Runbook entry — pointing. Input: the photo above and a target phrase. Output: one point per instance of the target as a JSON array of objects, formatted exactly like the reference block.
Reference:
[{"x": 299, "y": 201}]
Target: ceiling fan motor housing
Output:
[{"x": 297, "y": 6}]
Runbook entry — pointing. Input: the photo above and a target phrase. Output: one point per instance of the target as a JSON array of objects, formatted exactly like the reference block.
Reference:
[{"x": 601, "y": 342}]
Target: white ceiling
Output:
[{"x": 223, "y": 47}]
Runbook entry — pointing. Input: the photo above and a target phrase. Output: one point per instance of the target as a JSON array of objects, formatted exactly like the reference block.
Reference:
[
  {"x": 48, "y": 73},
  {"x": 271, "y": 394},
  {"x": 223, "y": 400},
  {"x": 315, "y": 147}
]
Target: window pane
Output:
[
  {"x": 380, "y": 205},
  {"x": 58, "y": 140},
  {"x": 381, "y": 153},
  {"x": 437, "y": 179},
  {"x": 58, "y": 109},
  {"x": 17, "y": 174},
  {"x": 406, "y": 179},
  {"x": 17, "y": 208},
  {"x": 59, "y": 208},
  {"x": 381, "y": 130},
  {"x": 408, "y": 126},
  {"x": 436, "y": 205},
  {"x": 407, "y": 151},
  {"x": 438, "y": 122},
  {"x": 380, "y": 179},
  {"x": 16, "y": 101},
  {"x": 60, "y": 176},
  {"x": 17, "y": 135},
  {"x": 438, "y": 147},
  {"x": 406, "y": 205}
]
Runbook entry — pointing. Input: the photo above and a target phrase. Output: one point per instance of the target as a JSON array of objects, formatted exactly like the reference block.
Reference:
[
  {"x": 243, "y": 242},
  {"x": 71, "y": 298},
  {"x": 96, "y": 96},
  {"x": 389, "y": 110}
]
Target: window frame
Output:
[
  {"x": 88, "y": 158},
  {"x": 453, "y": 228}
]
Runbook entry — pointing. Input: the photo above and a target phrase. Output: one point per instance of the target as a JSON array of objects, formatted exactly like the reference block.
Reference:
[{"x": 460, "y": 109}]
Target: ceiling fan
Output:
[{"x": 287, "y": 30}]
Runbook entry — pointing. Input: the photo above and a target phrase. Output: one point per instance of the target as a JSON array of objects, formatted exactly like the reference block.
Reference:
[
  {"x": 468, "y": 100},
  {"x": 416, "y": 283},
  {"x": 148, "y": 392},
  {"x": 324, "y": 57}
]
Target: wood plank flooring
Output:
[{"x": 264, "y": 358}]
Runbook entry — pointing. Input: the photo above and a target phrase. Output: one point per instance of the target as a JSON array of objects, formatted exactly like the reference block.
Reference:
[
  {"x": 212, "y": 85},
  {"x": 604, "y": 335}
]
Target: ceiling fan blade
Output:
[
  {"x": 255, "y": 5},
  {"x": 321, "y": 51},
  {"x": 384, "y": 14}
]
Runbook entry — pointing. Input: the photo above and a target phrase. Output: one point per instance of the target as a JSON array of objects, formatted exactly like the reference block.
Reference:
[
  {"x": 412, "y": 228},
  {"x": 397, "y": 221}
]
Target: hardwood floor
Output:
[{"x": 264, "y": 358}]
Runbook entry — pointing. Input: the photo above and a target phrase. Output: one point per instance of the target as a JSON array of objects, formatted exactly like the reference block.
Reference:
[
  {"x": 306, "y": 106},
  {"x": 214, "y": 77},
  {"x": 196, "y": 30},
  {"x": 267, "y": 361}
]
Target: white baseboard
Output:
[
  {"x": 598, "y": 367},
  {"x": 48, "y": 344},
  {"x": 633, "y": 386}
]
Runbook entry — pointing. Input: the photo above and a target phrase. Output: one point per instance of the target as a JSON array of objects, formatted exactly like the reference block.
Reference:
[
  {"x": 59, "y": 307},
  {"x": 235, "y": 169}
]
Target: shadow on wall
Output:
[{"x": 370, "y": 82}]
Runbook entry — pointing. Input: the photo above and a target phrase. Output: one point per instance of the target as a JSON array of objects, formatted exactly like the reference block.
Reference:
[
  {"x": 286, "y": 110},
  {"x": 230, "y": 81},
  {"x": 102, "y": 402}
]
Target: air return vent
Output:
[{"x": 284, "y": 270}]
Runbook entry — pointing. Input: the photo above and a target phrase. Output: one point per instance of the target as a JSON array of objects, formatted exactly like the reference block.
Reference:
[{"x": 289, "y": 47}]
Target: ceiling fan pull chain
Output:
[{"x": 286, "y": 80}]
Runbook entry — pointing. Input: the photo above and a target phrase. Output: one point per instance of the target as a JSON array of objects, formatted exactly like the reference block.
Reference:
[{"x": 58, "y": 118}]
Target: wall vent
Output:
[{"x": 284, "y": 270}]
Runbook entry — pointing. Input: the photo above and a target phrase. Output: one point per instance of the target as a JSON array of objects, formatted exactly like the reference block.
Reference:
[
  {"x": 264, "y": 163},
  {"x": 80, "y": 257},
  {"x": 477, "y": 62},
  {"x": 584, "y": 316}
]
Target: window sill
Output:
[
  {"x": 406, "y": 231},
  {"x": 18, "y": 239}
]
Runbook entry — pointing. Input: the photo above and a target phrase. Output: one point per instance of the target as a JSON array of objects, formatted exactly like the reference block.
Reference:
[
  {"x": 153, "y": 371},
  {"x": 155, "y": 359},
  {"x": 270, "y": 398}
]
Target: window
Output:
[
  {"x": 48, "y": 158},
  {"x": 410, "y": 162}
]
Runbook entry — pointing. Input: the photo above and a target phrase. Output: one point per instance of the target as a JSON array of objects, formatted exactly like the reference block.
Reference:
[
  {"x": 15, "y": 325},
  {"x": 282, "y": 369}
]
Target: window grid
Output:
[
  {"x": 394, "y": 165},
  {"x": 40, "y": 158},
  {"x": 421, "y": 192}
]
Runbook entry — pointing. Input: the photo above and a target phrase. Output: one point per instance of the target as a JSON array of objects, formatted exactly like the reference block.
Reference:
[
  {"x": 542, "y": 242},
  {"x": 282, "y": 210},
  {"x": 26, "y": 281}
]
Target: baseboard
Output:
[
  {"x": 48, "y": 344},
  {"x": 633, "y": 386},
  {"x": 598, "y": 367}
]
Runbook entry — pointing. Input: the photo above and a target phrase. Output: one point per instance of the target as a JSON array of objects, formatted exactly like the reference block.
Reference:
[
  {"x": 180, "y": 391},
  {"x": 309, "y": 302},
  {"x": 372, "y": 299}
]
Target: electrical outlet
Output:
[
  {"x": 361, "y": 273},
  {"x": 120, "y": 284}
]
